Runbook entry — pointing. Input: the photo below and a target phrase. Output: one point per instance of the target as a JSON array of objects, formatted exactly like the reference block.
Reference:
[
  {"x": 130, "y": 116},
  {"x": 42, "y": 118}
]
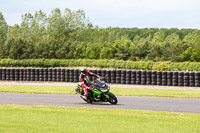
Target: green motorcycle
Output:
[{"x": 100, "y": 92}]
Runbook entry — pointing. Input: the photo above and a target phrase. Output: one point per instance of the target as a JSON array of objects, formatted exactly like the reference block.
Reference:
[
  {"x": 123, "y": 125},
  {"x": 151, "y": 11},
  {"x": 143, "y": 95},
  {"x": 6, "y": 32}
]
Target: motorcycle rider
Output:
[{"x": 84, "y": 79}]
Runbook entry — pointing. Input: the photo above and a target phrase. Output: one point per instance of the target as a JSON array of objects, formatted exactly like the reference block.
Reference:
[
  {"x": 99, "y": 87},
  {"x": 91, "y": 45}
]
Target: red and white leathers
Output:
[{"x": 84, "y": 79}]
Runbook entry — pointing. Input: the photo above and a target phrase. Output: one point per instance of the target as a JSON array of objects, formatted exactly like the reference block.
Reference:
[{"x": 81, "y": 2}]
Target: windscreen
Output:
[{"x": 100, "y": 83}]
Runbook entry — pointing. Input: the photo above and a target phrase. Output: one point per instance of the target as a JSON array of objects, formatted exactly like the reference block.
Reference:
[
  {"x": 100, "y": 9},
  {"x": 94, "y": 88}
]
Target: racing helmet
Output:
[{"x": 84, "y": 70}]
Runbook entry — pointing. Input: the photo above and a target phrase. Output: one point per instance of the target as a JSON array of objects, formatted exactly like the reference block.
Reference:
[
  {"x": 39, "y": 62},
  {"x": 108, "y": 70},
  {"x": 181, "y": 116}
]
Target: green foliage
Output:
[
  {"x": 103, "y": 63},
  {"x": 70, "y": 35},
  {"x": 187, "y": 54},
  {"x": 163, "y": 66}
]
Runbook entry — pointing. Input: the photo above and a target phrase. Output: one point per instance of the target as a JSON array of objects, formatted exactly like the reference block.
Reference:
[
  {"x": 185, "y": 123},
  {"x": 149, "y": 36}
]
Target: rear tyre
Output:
[{"x": 112, "y": 98}]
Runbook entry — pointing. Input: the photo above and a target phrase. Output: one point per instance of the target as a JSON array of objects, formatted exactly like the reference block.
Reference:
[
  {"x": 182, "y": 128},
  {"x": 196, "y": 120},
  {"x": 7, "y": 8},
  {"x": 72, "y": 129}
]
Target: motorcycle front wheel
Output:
[{"x": 112, "y": 98}]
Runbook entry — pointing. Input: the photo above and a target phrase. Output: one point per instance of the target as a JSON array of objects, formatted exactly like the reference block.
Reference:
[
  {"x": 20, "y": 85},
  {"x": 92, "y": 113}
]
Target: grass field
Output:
[
  {"x": 116, "y": 91},
  {"x": 29, "y": 119}
]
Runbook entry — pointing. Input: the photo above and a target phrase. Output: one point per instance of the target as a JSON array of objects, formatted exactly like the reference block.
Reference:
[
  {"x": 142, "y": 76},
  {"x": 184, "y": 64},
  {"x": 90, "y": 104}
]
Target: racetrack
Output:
[{"x": 184, "y": 105}]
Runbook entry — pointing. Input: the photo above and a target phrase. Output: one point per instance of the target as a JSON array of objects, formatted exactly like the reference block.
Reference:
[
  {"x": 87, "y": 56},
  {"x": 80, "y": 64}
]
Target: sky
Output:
[{"x": 115, "y": 13}]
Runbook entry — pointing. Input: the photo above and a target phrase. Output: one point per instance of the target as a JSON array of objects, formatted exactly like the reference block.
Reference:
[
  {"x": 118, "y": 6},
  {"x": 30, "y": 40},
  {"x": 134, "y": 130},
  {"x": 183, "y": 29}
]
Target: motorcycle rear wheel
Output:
[{"x": 112, "y": 98}]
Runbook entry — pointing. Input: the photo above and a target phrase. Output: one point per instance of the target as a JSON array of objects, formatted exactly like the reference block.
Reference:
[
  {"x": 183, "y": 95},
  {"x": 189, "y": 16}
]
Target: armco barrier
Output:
[{"x": 165, "y": 78}]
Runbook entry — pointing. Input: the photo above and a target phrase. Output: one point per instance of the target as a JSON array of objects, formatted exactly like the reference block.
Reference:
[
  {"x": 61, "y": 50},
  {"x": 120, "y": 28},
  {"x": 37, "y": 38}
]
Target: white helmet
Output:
[{"x": 84, "y": 70}]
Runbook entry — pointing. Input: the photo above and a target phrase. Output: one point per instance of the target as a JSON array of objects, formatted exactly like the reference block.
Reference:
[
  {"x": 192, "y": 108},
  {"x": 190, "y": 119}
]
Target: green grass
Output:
[
  {"x": 40, "y": 119},
  {"x": 116, "y": 91},
  {"x": 38, "y": 89}
]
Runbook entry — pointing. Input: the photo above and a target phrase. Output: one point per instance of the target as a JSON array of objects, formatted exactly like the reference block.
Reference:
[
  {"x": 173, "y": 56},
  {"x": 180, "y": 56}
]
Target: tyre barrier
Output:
[
  {"x": 175, "y": 79},
  {"x": 154, "y": 78},
  {"x": 113, "y": 76},
  {"x": 180, "y": 79},
  {"x": 186, "y": 79},
  {"x": 148, "y": 78},
  {"x": 159, "y": 77},
  {"x": 165, "y": 78},
  {"x": 138, "y": 77},
  {"x": 133, "y": 77},
  {"x": 128, "y": 77},
  {"x": 197, "y": 79}
]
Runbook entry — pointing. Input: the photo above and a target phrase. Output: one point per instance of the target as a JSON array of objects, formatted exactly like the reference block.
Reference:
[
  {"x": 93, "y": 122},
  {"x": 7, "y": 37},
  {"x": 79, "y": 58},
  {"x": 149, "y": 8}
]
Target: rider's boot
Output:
[{"x": 84, "y": 97}]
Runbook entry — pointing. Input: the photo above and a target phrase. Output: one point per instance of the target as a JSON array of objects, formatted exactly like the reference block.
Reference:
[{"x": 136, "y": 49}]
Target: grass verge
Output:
[
  {"x": 116, "y": 91},
  {"x": 28, "y": 119}
]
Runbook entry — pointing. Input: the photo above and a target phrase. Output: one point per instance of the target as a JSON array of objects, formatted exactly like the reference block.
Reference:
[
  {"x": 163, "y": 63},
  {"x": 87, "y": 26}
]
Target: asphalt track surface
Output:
[{"x": 183, "y": 105}]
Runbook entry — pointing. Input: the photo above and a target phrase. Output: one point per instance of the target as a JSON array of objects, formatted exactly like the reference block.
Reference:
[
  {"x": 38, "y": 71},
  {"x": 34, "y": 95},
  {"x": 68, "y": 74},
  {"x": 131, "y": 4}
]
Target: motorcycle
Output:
[{"x": 100, "y": 92}]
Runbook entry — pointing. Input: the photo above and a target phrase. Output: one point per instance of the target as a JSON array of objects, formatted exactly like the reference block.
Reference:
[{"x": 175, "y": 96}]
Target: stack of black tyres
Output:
[
  {"x": 108, "y": 72},
  {"x": 133, "y": 77},
  {"x": 41, "y": 74},
  {"x": 28, "y": 76},
  {"x": 12, "y": 74},
  {"x": 49, "y": 74},
  {"x": 16, "y": 74},
  {"x": 32, "y": 74},
  {"x": 45, "y": 74},
  {"x": 138, "y": 77},
  {"x": 123, "y": 76},
  {"x": 62, "y": 75},
  {"x": 71, "y": 75},
  {"x": 3, "y": 74},
  {"x": 76, "y": 75},
  {"x": 118, "y": 76},
  {"x": 191, "y": 79},
  {"x": 164, "y": 78},
  {"x": 153, "y": 78},
  {"x": 180, "y": 79},
  {"x": 128, "y": 77},
  {"x": 186, "y": 79},
  {"x": 21, "y": 72},
  {"x": 197, "y": 79},
  {"x": 159, "y": 77},
  {"x": 53, "y": 74},
  {"x": 148, "y": 78},
  {"x": 0, "y": 74},
  {"x": 37, "y": 74},
  {"x": 67, "y": 75},
  {"x": 24, "y": 74},
  {"x": 143, "y": 77},
  {"x": 58, "y": 71},
  {"x": 113, "y": 76},
  {"x": 175, "y": 79},
  {"x": 169, "y": 78},
  {"x": 7, "y": 74}
]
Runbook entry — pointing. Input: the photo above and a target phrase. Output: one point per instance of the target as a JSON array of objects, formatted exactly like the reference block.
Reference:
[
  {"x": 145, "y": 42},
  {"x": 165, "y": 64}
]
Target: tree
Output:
[
  {"x": 155, "y": 51},
  {"x": 3, "y": 35},
  {"x": 172, "y": 48}
]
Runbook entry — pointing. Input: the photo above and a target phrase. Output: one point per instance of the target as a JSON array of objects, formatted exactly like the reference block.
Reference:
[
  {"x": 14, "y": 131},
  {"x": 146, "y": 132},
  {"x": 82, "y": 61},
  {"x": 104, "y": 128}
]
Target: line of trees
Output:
[{"x": 70, "y": 35}]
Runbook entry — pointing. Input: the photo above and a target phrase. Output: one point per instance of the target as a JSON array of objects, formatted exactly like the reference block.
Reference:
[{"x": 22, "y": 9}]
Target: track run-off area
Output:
[{"x": 183, "y": 105}]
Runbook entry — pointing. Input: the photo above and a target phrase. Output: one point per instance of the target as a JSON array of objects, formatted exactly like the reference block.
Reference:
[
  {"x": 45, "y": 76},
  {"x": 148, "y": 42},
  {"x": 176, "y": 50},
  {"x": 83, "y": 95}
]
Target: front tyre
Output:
[{"x": 112, "y": 98}]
